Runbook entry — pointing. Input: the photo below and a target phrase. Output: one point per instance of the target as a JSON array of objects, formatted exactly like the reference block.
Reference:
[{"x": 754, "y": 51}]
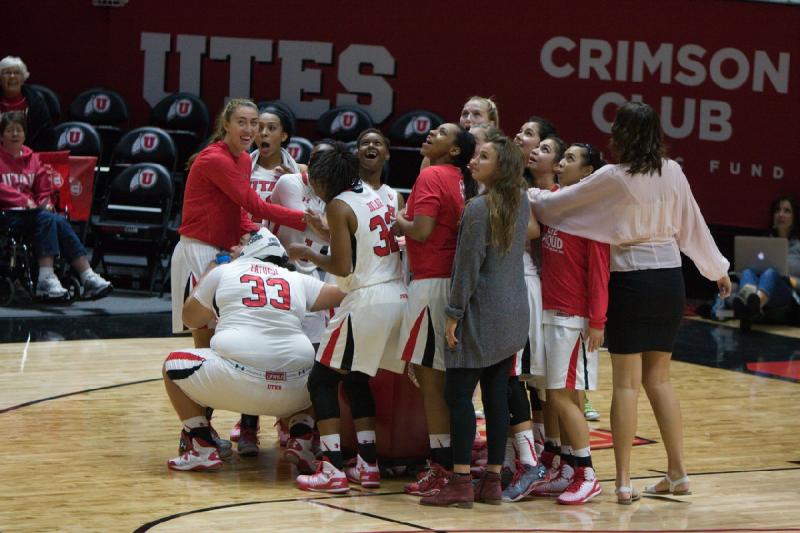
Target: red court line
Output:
[{"x": 784, "y": 369}]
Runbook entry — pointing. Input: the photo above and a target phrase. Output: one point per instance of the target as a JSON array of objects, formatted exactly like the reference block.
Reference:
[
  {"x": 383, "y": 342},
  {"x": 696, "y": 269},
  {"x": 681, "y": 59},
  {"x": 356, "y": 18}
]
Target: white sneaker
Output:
[
  {"x": 583, "y": 488},
  {"x": 95, "y": 286},
  {"x": 201, "y": 455},
  {"x": 327, "y": 478},
  {"x": 50, "y": 287},
  {"x": 364, "y": 474},
  {"x": 299, "y": 452}
]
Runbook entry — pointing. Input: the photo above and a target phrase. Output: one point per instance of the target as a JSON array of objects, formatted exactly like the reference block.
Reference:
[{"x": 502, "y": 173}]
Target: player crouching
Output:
[{"x": 259, "y": 360}]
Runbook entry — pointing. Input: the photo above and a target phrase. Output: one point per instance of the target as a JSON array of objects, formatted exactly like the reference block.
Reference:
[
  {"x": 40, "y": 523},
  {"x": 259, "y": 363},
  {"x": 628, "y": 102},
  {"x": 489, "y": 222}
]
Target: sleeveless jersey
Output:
[
  {"x": 389, "y": 198},
  {"x": 295, "y": 192},
  {"x": 377, "y": 254},
  {"x": 260, "y": 308}
]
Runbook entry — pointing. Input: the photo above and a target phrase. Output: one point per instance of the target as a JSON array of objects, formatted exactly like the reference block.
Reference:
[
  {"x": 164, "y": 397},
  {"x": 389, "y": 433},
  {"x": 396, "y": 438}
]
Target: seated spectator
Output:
[
  {"x": 25, "y": 185},
  {"x": 770, "y": 294},
  {"x": 16, "y": 96}
]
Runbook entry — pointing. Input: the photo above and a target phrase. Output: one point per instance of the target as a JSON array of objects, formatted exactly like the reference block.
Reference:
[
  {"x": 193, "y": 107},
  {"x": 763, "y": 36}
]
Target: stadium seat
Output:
[
  {"x": 300, "y": 149},
  {"x": 133, "y": 219},
  {"x": 106, "y": 110},
  {"x": 412, "y": 128},
  {"x": 407, "y": 134},
  {"x": 185, "y": 118},
  {"x": 80, "y": 138},
  {"x": 51, "y": 99},
  {"x": 344, "y": 123}
]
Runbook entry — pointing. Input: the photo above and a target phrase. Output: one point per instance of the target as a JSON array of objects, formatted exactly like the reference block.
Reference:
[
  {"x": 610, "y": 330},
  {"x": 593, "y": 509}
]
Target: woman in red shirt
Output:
[
  {"x": 216, "y": 204},
  {"x": 430, "y": 225}
]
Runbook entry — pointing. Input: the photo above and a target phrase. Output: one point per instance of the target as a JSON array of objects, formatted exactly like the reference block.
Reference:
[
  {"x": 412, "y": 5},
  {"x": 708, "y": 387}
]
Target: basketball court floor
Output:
[{"x": 88, "y": 429}]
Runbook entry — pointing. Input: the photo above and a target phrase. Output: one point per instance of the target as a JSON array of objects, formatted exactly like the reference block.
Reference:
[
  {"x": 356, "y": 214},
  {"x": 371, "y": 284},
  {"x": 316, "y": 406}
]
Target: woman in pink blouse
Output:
[{"x": 645, "y": 209}]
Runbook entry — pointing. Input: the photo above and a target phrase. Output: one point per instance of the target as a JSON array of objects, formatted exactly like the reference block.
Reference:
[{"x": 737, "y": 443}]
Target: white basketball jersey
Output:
[
  {"x": 389, "y": 198},
  {"x": 377, "y": 254},
  {"x": 295, "y": 192},
  {"x": 260, "y": 308}
]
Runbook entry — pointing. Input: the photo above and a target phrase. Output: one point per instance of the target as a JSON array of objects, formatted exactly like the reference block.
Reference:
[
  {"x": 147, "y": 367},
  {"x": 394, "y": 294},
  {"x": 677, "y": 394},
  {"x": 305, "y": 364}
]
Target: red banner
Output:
[
  {"x": 722, "y": 74},
  {"x": 81, "y": 185},
  {"x": 59, "y": 162}
]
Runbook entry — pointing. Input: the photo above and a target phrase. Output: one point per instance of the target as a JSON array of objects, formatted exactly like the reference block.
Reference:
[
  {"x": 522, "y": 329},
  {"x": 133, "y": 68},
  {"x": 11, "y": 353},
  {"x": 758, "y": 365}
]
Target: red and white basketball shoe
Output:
[
  {"x": 557, "y": 484},
  {"x": 283, "y": 432},
  {"x": 429, "y": 482},
  {"x": 363, "y": 473},
  {"x": 200, "y": 455},
  {"x": 300, "y": 453},
  {"x": 583, "y": 488},
  {"x": 327, "y": 478},
  {"x": 236, "y": 431}
]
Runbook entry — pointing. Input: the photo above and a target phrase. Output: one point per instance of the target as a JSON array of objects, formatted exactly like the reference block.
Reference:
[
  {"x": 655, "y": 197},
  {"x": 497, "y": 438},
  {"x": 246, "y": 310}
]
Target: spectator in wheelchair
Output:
[
  {"x": 16, "y": 96},
  {"x": 25, "y": 196}
]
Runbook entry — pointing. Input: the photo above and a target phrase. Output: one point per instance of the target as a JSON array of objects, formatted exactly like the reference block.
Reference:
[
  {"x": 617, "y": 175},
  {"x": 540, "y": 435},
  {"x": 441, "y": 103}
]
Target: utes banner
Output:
[{"x": 723, "y": 75}]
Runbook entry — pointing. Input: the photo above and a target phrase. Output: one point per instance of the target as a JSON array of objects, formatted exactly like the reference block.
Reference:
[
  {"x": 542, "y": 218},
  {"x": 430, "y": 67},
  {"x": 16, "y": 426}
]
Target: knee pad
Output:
[
  {"x": 323, "y": 387},
  {"x": 356, "y": 386},
  {"x": 518, "y": 405}
]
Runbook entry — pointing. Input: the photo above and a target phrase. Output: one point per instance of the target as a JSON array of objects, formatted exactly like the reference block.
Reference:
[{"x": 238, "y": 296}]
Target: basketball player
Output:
[
  {"x": 575, "y": 274},
  {"x": 259, "y": 360},
  {"x": 430, "y": 225},
  {"x": 363, "y": 334},
  {"x": 373, "y": 152}
]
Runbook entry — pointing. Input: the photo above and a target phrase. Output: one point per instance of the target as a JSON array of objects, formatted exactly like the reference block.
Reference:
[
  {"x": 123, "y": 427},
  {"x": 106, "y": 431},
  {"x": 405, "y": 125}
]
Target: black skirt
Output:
[{"x": 645, "y": 308}]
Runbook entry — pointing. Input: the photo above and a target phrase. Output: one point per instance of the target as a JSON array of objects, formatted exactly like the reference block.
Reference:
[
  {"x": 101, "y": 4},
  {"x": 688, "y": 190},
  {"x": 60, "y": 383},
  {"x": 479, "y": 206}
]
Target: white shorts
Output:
[
  {"x": 189, "y": 260},
  {"x": 214, "y": 381},
  {"x": 422, "y": 335},
  {"x": 530, "y": 361},
  {"x": 364, "y": 334},
  {"x": 569, "y": 364}
]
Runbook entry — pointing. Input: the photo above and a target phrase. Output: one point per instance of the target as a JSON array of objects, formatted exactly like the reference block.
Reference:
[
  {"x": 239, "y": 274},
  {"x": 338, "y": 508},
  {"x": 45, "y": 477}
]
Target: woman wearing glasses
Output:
[{"x": 16, "y": 96}]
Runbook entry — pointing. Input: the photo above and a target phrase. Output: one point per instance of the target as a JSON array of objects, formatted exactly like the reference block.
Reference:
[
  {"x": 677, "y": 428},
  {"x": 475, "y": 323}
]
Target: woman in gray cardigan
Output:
[{"x": 487, "y": 317}]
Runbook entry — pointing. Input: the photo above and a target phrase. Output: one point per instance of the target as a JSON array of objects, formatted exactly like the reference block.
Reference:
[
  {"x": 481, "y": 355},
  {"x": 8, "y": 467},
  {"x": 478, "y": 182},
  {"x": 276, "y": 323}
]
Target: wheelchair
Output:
[{"x": 19, "y": 269}]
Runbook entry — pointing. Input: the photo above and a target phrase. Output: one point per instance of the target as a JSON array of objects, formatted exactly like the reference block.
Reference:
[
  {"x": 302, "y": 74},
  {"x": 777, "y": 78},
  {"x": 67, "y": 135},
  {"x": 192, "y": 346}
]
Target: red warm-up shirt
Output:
[
  {"x": 23, "y": 178},
  {"x": 218, "y": 198},
  {"x": 438, "y": 192},
  {"x": 575, "y": 274}
]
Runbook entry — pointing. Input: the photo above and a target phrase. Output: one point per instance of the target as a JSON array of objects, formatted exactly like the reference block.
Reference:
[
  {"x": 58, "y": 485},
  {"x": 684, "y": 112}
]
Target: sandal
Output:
[
  {"x": 651, "y": 489},
  {"x": 626, "y": 495}
]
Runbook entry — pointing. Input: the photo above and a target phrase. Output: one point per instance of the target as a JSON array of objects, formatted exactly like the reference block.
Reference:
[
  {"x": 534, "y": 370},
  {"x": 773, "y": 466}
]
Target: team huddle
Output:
[{"x": 294, "y": 280}]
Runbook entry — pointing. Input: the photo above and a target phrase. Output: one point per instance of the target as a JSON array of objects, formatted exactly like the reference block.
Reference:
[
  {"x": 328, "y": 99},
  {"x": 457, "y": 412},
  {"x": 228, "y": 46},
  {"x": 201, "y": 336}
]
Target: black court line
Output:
[
  {"x": 371, "y": 515},
  {"x": 58, "y": 397},
  {"x": 317, "y": 501},
  {"x": 149, "y": 525}
]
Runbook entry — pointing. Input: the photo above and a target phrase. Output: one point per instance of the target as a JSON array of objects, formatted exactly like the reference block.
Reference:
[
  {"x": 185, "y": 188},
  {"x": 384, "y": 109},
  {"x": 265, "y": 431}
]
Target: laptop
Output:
[{"x": 761, "y": 253}]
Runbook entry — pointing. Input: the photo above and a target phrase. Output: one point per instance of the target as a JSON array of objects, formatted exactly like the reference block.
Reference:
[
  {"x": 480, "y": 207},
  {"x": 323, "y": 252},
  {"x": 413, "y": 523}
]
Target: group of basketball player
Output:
[{"x": 458, "y": 285}]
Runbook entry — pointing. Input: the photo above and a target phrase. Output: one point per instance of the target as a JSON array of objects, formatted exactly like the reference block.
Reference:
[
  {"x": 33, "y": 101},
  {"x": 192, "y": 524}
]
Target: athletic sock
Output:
[
  {"x": 194, "y": 423},
  {"x": 583, "y": 457},
  {"x": 525, "y": 446},
  {"x": 197, "y": 426},
  {"x": 441, "y": 452},
  {"x": 301, "y": 425},
  {"x": 538, "y": 432},
  {"x": 553, "y": 446},
  {"x": 566, "y": 455},
  {"x": 366, "y": 445},
  {"x": 332, "y": 449}
]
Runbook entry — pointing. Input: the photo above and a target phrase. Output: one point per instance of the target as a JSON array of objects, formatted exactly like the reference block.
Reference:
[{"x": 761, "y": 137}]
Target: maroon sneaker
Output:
[
  {"x": 457, "y": 492},
  {"x": 487, "y": 489}
]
